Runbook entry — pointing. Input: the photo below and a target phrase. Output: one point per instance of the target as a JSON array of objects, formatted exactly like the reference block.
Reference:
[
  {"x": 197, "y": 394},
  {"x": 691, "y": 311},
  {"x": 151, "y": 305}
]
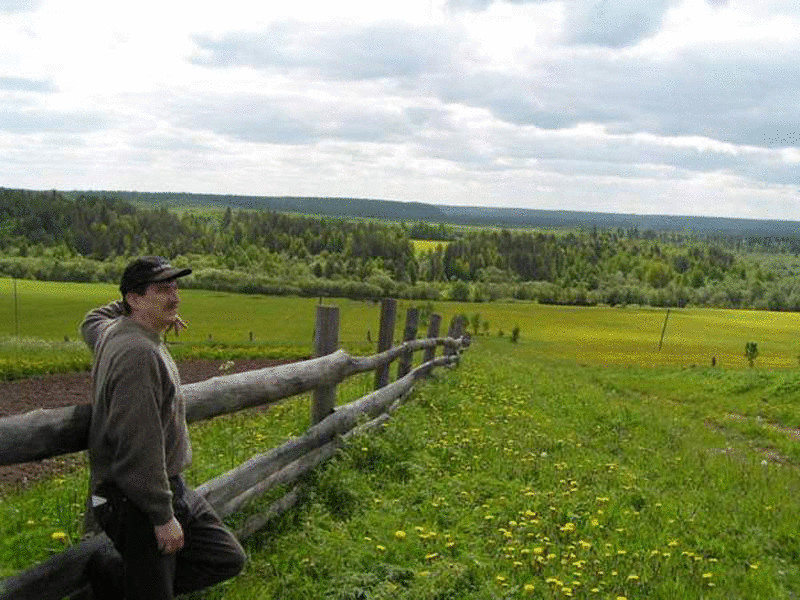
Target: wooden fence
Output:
[{"x": 44, "y": 433}]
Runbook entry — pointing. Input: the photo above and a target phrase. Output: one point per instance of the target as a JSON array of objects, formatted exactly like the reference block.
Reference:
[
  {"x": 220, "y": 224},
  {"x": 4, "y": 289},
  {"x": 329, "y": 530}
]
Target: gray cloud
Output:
[
  {"x": 613, "y": 23},
  {"x": 12, "y": 6},
  {"x": 382, "y": 51},
  {"x": 609, "y": 23},
  {"x": 291, "y": 120},
  {"x": 727, "y": 94},
  {"x": 23, "y": 84},
  {"x": 743, "y": 95},
  {"x": 44, "y": 121}
]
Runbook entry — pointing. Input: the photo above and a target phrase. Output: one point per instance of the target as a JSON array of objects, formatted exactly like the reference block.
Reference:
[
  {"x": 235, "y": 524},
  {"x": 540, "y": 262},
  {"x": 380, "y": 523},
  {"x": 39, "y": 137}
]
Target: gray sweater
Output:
[{"x": 138, "y": 436}]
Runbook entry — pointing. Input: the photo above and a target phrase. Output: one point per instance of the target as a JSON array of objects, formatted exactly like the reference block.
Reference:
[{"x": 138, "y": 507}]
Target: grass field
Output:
[
  {"x": 577, "y": 463},
  {"x": 421, "y": 246},
  {"x": 587, "y": 335}
]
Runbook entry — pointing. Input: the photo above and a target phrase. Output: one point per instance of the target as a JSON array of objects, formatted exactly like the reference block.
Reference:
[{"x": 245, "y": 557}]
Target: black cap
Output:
[{"x": 148, "y": 269}]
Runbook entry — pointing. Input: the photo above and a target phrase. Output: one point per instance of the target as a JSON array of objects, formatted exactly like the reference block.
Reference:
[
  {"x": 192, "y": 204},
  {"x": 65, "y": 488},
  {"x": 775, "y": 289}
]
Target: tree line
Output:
[{"x": 90, "y": 237}]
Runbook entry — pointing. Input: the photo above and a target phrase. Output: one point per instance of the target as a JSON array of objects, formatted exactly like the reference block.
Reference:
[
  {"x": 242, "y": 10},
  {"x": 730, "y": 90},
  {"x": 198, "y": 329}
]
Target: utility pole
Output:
[{"x": 16, "y": 309}]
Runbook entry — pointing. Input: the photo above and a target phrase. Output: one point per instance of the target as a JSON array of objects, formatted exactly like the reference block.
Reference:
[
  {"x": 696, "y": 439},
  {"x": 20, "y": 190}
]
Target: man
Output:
[{"x": 170, "y": 539}]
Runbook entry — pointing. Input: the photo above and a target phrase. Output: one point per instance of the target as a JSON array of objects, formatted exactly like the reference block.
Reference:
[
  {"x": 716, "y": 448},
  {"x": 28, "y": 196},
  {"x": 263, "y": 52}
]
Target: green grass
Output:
[
  {"x": 580, "y": 462},
  {"x": 525, "y": 477}
]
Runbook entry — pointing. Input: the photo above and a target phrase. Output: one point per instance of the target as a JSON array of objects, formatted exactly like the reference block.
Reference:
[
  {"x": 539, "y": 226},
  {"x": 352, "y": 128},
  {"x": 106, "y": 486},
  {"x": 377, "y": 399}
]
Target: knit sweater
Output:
[{"x": 138, "y": 436}]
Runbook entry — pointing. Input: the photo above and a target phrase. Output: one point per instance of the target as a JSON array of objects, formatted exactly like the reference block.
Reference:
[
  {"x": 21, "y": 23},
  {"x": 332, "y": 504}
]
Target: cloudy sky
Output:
[{"x": 639, "y": 106}]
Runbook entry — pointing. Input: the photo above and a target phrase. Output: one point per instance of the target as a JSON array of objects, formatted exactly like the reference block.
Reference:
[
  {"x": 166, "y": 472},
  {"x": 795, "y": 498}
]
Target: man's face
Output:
[{"x": 157, "y": 308}]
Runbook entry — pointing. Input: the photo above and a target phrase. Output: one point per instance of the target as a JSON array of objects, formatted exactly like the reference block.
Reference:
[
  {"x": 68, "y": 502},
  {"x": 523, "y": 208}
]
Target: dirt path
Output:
[{"x": 55, "y": 391}]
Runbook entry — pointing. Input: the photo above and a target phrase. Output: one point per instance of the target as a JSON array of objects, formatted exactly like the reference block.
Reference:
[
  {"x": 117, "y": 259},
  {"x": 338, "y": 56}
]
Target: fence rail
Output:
[{"x": 45, "y": 433}]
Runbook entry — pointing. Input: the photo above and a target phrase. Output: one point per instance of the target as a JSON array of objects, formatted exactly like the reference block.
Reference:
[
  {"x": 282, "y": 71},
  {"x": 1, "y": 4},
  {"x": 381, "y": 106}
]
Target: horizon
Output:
[
  {"x": 681, "y": 108},
  {"x": 421, "y": 202}
]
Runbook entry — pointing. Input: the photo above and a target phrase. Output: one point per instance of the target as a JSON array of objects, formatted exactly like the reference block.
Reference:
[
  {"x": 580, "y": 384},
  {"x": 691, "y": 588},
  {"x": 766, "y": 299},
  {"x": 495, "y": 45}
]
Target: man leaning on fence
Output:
[{"x": 169, "y": 539}]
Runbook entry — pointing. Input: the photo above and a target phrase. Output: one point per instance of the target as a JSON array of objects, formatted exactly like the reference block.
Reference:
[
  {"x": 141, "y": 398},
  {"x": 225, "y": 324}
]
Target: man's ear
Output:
[{"x": 132, "y": 298}]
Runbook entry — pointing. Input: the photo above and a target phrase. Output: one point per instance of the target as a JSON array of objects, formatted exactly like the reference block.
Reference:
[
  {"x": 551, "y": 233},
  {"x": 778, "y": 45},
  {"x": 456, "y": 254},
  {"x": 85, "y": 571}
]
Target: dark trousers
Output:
[{"x": 210, "y": 552}]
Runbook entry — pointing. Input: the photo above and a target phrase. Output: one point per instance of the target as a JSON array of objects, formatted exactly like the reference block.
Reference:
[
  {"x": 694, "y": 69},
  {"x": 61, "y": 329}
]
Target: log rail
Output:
[{"x": 44, "y": 433}]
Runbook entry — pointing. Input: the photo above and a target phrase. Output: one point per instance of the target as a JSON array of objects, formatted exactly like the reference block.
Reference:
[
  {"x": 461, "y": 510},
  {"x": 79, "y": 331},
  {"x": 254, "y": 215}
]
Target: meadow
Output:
[
  {"x": 580, "y": 462},
  {"x": 48, "y": 313},
  {"x": 422, "y": 246}
]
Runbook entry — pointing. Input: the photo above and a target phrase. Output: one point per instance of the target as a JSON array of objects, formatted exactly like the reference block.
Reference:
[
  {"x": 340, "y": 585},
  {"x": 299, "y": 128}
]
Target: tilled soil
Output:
[{"x": 56, "y": 391}]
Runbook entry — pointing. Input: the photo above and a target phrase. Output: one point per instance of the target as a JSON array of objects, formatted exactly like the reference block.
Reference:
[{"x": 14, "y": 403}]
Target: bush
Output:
[{"x": 751, "y": 352}]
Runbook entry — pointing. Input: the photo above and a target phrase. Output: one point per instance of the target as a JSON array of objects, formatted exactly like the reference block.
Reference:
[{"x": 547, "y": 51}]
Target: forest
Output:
[{"x": 90, "y": 237}]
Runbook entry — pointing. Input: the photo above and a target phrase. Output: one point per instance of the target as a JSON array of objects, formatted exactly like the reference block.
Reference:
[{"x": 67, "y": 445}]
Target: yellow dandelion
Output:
[
  {"x": 380, "y": 548},
  {"x": 400, "y": 534},
  {"x": 707, "y": 575},
  {"x": 568, "y": 527},
  {"x": 431, "y": 556},
  {"x": 58, "y": 536},
  {"x": 529, "y": 588},
  {"x": 754, "y": 565},
  {"x": 633, "y": 578},
  {"x": 499, "y": 579},
  {"x": 538, "y": 550}
]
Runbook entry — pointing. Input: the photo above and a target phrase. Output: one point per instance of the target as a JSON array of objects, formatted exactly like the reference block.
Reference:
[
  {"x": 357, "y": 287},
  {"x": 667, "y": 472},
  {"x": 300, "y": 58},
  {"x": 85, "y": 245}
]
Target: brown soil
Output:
[{"x": 55, "y": 391}]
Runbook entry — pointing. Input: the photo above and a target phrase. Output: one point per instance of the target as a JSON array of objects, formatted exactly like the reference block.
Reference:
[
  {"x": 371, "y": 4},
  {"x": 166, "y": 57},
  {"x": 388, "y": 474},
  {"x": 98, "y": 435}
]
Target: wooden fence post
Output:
[
  {"x": 326, "y": 341},
  {"x": 385, "y": 338},
  {"x": 433, "y": 332},
  {"x": 452, "y": 332},
  {"x": 410, "y": 333}
]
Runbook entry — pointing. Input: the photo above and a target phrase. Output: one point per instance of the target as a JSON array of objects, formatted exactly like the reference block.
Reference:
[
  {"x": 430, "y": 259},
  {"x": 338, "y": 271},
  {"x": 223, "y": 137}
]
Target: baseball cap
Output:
[{"x": 148, "y": 269}]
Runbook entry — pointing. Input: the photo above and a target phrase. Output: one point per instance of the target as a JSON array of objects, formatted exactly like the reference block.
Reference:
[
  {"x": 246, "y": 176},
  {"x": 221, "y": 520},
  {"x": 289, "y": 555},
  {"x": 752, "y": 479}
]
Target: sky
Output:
[{"x": 687, "y": 107}]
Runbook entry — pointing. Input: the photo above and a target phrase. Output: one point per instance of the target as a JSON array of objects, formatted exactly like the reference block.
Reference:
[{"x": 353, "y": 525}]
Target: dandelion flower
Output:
[
  {"x": 633, "y": 578},
  {"x": 707, "y": 575},
  {"x": 400, "y": 534},
  {"x": 380, "y": 548},
  {"x": 529, "y": 588},
  {"x": 58, "y": 536}
]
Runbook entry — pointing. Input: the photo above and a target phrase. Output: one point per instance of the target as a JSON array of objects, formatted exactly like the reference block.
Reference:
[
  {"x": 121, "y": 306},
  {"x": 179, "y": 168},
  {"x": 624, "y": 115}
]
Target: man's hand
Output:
[
  {"x": 169, "y": 536},
  {"x": 177, "y": 326}
]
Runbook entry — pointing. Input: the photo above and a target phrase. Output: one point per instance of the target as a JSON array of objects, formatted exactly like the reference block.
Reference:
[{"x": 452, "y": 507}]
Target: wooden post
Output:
[
  {"x": 452, "y": 332},
  {"x": 326, "y": 341},
  {"x": 433, "y": 331},
  {"x": 385, "y": 338},
  {"x": 410, "y": 333},
  {"x": 16, "y": 309}
]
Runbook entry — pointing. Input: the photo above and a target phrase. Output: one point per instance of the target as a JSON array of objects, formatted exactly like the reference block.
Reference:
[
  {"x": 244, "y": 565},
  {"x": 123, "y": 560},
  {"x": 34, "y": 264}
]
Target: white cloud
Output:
[{"x": 581, "y": 104}]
